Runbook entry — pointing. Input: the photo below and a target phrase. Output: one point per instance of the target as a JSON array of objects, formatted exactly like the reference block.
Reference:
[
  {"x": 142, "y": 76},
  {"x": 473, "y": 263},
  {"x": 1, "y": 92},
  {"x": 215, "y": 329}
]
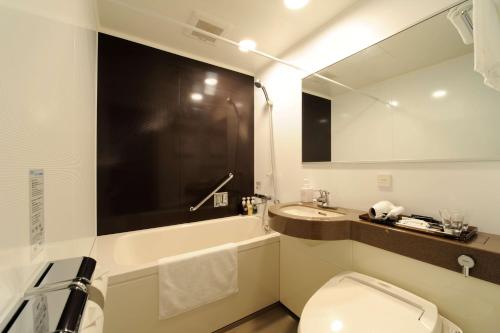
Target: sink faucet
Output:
[{"x": 323, "y": 200}]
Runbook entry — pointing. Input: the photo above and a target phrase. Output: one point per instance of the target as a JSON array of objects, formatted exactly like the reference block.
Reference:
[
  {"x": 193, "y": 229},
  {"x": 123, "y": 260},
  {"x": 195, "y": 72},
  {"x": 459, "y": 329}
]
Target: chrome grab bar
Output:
[
  {"x": 229, "y": 177},
  {"x": 467, "y": 19}
]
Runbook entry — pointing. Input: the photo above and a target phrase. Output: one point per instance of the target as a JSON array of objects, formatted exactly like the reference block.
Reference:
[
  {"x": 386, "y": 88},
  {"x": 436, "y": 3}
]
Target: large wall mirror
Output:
[{"x": 412, "y": 97}]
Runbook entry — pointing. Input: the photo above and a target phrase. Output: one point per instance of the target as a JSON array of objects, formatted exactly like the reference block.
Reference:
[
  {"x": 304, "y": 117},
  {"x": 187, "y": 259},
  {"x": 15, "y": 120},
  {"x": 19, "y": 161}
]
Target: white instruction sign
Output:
[{"x": 37, "y": 229}]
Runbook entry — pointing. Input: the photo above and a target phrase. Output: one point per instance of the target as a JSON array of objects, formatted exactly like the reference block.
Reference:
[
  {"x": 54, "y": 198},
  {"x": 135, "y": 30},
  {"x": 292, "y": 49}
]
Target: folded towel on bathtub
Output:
[{"x": 193, "y": 279}]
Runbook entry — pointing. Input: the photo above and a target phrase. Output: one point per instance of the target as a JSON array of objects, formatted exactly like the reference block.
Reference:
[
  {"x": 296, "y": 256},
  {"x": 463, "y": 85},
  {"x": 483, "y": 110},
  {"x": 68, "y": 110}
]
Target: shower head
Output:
[{"x": 259, "y": 85}]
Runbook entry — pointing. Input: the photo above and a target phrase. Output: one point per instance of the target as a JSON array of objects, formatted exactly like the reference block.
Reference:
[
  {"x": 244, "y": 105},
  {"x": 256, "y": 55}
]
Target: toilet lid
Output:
[{"x": 356, "y": 303}]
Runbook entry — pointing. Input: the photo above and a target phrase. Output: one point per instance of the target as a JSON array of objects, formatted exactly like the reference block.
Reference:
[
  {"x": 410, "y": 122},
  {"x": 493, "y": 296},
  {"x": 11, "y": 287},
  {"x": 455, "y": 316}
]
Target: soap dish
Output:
[{"x": 464, "y": 236}]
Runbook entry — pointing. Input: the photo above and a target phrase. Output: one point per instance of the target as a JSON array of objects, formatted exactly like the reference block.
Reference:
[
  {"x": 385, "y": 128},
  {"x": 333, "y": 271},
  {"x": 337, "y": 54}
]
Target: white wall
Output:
[
  {"x": 47, "y": 120},
  {"x": 421, "y": 187}
]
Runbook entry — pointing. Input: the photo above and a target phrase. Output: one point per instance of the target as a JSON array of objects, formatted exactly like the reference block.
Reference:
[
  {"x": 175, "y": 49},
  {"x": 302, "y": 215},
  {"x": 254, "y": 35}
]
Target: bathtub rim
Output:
[{"x": 103, "y": 249}]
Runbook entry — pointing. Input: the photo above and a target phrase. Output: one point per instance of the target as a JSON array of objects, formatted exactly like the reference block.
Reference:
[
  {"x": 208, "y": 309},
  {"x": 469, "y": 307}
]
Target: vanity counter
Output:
[{"x": 484, "y": 248}]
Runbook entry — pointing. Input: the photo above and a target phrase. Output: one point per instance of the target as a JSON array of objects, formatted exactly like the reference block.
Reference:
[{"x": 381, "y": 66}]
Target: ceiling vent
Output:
[{"x": 207, "y": 24}]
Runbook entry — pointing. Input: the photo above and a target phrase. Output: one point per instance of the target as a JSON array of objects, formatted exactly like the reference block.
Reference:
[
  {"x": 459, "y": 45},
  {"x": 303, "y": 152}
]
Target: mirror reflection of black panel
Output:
[
  {"x": 316, "y": 128},
  {"x": 166, "y": 138}
]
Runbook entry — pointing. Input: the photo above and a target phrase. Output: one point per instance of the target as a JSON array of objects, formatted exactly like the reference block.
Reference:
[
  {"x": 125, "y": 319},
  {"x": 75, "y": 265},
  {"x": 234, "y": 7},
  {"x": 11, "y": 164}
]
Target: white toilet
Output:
[{"x": 356, "y": 303}]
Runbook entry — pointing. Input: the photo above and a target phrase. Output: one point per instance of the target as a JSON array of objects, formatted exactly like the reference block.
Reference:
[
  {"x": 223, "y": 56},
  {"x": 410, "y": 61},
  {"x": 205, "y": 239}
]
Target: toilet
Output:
[{"x": 355, "y": 303}]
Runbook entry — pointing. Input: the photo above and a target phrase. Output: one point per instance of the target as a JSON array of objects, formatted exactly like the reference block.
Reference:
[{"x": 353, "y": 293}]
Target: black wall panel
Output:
[
  {"x": 158, "y": 151},
  {"x": 316, "y": 129}
]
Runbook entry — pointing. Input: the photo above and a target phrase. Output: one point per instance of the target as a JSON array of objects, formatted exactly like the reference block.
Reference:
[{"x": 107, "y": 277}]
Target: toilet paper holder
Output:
[{"x": 56, "y": 300}]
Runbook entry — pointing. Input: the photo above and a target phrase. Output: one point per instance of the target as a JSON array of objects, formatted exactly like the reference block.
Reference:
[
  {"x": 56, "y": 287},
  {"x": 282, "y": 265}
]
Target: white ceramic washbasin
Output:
[{"x": 304, "y": 211}]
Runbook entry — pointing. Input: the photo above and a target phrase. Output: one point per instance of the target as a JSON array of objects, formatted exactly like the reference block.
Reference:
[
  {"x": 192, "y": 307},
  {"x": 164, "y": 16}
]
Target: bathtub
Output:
[{"x": 131, "y": 261}]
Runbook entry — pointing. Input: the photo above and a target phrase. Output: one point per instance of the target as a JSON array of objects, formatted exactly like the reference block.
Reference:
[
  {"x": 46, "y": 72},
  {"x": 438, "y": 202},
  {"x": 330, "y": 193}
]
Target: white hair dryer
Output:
[{"x": 384, "y": 210}]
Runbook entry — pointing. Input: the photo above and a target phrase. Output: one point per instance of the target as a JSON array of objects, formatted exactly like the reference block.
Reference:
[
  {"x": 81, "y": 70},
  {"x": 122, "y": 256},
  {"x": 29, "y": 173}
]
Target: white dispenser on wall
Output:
[{"x": 306, "y": 192}]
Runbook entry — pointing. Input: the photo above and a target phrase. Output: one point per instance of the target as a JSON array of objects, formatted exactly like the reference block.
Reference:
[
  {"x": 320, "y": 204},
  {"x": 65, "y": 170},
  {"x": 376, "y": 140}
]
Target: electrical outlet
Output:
[
  {"x": 221, "y": 199},
  {"x": 384, "y": 181}
]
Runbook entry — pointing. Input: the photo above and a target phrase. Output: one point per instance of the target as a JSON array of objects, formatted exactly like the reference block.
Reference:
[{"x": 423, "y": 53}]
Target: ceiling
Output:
[
  {"x": 428, "y": 43},
  {"x": 274, "y": 27}
]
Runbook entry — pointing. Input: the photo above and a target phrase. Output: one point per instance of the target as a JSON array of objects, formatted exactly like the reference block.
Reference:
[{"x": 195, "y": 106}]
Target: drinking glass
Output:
[{"x": 457, "y": 219}]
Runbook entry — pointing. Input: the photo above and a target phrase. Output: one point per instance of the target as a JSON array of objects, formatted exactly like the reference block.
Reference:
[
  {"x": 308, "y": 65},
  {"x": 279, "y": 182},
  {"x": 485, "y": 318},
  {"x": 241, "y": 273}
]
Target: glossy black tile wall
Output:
[
  {"x": 316, "y": 129},
  {"x": 160, "y": 149}
]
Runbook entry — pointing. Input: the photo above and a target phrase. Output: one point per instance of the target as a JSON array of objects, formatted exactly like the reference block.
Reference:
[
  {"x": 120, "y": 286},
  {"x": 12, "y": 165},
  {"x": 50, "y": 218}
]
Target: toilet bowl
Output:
[{"x": 355, "y": 303}]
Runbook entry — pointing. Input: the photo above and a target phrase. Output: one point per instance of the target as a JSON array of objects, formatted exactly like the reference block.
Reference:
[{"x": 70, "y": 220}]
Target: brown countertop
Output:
[{"x": 484, "y": 248}]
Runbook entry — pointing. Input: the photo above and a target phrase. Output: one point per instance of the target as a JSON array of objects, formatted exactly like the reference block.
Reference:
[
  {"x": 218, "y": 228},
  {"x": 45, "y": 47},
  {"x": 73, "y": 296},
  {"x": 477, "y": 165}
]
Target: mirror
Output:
[{"x": 412, "y": 97}]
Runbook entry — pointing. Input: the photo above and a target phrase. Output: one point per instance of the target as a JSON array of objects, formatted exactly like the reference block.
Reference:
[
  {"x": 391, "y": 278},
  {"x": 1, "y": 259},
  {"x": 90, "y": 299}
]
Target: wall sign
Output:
[{"x": 37, "y": 229}]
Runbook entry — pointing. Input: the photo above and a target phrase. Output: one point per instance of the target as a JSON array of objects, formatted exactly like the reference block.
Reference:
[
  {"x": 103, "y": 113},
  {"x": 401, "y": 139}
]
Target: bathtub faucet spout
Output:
[{"x": 264, "y": 198}]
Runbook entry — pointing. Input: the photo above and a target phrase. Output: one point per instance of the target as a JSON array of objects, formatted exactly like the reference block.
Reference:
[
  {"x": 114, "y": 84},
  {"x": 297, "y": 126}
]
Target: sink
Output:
[
  {"x": 305, "y": 211},
  {"x": 306, "y": 220}
]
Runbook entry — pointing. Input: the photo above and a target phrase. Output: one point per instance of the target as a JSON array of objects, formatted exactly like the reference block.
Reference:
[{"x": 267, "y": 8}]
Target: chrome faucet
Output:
[
  {"x": 323, "y": 200},
  {"x": 264, "y": 200}
]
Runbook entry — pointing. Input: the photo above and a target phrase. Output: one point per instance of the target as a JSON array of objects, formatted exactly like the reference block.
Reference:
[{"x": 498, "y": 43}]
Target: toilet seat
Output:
[{"x": 356, "y": 303}]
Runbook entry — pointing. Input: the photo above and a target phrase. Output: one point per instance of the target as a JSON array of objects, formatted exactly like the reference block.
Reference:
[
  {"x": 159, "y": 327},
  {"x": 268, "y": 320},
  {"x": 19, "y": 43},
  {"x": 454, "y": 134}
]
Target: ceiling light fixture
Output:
[
  {"x": 394, "y": 103},
  {"x": 295, "y": 4},
  {"x": 336, "y": 326},
  {"x": 247, "y": 45},
  {"x": 439, "y": 93},
  {"x": 196, "y": 97},
  {"x": 210, "y": 81}
]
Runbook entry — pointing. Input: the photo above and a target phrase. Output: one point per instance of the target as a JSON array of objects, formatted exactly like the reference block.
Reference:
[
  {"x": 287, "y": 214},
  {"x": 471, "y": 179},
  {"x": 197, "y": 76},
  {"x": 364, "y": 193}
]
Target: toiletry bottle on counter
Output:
[
  {"x": 254, "y": 206},
  {"x": 306, "y": 192},
  {"x": 249, "y": 206},
  {"x": 244, "y": 207}
]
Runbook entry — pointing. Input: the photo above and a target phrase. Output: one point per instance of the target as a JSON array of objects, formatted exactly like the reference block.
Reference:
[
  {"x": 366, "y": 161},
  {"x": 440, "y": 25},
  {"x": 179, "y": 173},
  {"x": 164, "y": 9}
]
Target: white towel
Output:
[
  {"x": 93, "y": 316},
  {"x": 193, "y": 279},
  {"x": 92, "y": 319},
  {"x": 486, "y": 19},
  {"x": 100, "y": 281},
  {"x": 457, "y": 19}
]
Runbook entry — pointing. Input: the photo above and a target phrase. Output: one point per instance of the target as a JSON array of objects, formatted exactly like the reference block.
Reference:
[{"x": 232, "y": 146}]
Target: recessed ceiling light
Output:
[
  {"x": 439, "y": 93},
  {"x": 295, "y": 4},
  {"x": 394, "y": 103},
  {"x": 247, "y": 45},
  {"x": 196, "y": 97},
  {"x": 211, "y": 81},
  {"x": 336, "y": 326}
]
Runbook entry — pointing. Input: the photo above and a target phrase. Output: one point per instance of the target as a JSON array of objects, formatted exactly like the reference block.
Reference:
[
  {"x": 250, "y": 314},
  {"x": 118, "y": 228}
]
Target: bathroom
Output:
[{"x": 250, "y": 166}]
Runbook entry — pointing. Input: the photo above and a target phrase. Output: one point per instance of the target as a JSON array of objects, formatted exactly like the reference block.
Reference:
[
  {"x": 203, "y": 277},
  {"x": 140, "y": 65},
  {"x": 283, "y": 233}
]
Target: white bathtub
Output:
[{"x": 131, "y": 260}]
